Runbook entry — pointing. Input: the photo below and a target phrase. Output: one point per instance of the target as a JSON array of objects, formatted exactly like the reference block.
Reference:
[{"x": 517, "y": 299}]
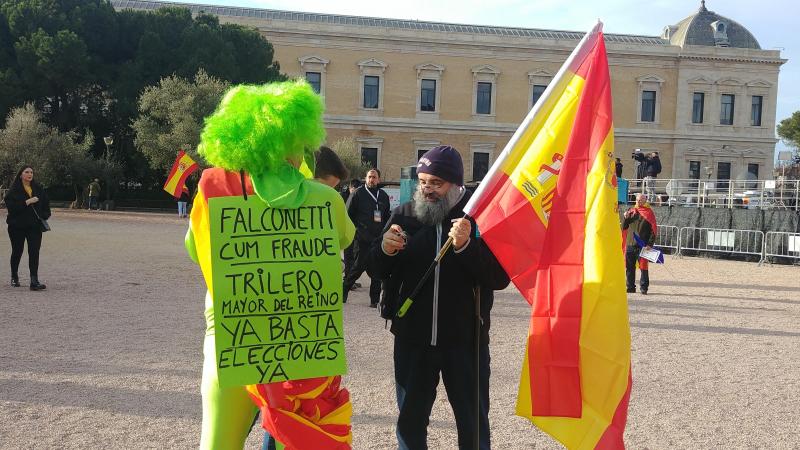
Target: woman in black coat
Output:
[{"x": 24, "y": 201}]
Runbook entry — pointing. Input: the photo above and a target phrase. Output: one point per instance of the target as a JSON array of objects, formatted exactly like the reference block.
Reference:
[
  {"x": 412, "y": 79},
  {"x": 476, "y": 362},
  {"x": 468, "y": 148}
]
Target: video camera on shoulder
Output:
[{"x": 638, "y": 155}]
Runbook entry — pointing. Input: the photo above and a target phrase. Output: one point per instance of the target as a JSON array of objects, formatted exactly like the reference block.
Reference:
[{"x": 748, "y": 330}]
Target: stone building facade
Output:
[{"x": 703, "y": 93}]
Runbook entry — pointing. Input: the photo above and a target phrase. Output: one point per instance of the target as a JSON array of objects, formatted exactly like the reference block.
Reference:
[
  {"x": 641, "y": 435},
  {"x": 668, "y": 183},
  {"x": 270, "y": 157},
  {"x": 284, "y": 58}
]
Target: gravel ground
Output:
[{"x": 110, "y": 355}]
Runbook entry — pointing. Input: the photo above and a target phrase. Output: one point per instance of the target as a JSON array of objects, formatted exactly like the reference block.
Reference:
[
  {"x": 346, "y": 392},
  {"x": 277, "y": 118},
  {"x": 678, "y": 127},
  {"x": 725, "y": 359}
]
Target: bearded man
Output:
[{"x": 436, "y": 336}]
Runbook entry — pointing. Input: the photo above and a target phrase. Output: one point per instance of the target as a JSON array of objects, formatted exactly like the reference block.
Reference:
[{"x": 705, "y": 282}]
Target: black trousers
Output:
[
  {"x": 349, "y": 258},
  {"x": 361, "y": 251},
  {"x": 18, "y": 237},
  {"x": 417, "y": 370},
  {"x": 631, "y": 257}
]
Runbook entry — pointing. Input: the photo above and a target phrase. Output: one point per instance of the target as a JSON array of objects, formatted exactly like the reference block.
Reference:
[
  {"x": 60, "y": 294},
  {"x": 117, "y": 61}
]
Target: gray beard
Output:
[{"x": 432, "y": 213}]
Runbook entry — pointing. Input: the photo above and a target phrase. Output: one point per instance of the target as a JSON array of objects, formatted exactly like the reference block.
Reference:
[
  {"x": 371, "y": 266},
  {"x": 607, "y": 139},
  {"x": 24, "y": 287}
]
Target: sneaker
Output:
[
  {"x": 644, "y": 291},
  {"x": 631, "y": 291}
]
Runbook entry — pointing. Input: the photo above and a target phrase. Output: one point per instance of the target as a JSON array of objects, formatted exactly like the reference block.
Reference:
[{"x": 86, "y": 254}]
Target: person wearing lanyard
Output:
[{"x": 369, "y": 210}]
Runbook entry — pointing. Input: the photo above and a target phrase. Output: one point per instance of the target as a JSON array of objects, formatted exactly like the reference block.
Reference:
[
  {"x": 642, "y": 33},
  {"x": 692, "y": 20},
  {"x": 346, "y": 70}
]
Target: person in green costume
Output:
[{"x": 261, "y": 140}]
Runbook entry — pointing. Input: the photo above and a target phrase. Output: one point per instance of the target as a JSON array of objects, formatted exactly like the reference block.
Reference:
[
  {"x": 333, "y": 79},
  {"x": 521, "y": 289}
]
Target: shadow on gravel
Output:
[
  {"x": 699, "y": 306},
  {"x": 725, "y": 285},
  {"x": 663, "y": 314},
  {"x": 374, "y": 419},
  {"x": 50, "y": 366},
  {"x": 754, "y": 299},
  {"x": 119, "y": 400},
  {"x": 708, "y": 329}
]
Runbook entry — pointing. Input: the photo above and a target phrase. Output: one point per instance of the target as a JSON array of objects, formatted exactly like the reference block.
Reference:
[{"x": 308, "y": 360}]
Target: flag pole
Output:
[{"x": 410, "y": 299}]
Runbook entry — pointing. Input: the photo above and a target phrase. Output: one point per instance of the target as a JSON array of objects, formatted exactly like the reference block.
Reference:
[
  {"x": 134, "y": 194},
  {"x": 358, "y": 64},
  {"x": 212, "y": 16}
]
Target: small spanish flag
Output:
[{"x": 176, "y": 180}]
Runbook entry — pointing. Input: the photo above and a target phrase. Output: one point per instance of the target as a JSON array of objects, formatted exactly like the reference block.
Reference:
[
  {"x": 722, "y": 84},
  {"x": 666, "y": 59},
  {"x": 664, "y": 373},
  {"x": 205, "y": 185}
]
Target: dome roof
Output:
[{"x": 710, "y": 29}]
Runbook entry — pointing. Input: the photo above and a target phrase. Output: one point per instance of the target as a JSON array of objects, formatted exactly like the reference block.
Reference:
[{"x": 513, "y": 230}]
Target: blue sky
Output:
[{"x": 772, "y": 22}]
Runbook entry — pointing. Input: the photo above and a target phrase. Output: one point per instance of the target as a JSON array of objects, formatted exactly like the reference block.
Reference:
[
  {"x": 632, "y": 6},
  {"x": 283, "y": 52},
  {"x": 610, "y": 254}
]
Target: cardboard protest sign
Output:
[{"x": 277, "y": 289}]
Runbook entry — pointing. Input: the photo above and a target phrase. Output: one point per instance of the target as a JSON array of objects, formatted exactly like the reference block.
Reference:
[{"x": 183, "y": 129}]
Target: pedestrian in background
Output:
[
  {"x": 369, "y": 210},
  {"x": 639, "y": 220},
  {"x": 27, "y": 204},
  {"x": 94, "y": 194}
]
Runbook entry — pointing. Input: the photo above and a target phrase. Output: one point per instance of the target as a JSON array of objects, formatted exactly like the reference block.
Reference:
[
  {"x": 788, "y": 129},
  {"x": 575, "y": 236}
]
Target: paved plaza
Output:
[{"x": 110, "y": 355}]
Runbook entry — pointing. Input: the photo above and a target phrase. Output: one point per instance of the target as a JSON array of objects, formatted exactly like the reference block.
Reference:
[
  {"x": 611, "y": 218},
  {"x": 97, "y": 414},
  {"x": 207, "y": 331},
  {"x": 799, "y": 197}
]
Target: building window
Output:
[
  {"x": 723, "y": 175},
  {"x": 427, "y": 99},
  {"x": 538, "y": 80},
  {"x": 755, "y": 113},
  {"x": 429, "y": 83},
  {"x": 369, "y": 156},
  {"x": 648, "y": 106},
  {"x": 420, "y": 152},
  {"x": 694, "y": 170},
  {"x": 752, "y": 175},
  {"x": 726, "y": 109},
  {"x": 371, "y": 91},
  {"x": 484, "y": 92},
  {"x": 698, "y": 103},
  {"x": 484, "y": 100},
  {"x": 480, "y": 165},
  {"x": 538, "y": 90},
  {"x": 370, "y": 94},
  {"x": 313, "y": 68},
  {"x": 315, "y": 80}
]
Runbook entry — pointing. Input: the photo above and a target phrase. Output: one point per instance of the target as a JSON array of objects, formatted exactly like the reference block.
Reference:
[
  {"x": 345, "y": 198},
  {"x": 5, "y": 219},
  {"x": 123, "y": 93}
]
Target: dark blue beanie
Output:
[{"x": 444, "y": 162}]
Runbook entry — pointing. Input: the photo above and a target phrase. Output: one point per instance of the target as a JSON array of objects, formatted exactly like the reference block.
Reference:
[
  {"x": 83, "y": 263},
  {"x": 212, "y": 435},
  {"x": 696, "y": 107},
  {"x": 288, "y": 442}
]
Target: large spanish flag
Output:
[
  {"x": 183, "y": 166},
  {"x": 547, "y": 209}
]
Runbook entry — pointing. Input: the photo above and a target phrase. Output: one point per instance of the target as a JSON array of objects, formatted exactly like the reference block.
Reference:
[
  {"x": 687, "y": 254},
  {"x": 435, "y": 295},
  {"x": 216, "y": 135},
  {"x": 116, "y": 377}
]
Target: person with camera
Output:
[
  {"x": 437, "y": 335},
  {"x": 27, "y": 205},
  {"x": 648, "y": 168}
]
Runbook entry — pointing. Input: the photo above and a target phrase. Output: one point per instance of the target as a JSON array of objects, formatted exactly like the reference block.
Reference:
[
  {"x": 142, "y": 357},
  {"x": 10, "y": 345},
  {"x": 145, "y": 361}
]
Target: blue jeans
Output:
[{"x": 416, "y": 371}]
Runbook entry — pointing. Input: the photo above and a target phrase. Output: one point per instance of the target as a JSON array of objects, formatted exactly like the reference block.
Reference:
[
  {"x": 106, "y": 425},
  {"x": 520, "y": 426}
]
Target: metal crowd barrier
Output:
[
  {"x": 719, "y": 240},
  {"x": 668, "y": 237},
  {"x": 781, "y": 244}
]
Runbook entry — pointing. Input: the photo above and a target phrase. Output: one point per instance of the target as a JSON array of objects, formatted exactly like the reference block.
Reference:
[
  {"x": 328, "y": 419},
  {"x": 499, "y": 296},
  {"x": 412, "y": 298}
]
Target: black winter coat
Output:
[
  {"x": 653, "y": 166},
  {"x": 361, "y": 209},
  {"x": 21, "y": 215},
  {"x": 449, "y": 317}
]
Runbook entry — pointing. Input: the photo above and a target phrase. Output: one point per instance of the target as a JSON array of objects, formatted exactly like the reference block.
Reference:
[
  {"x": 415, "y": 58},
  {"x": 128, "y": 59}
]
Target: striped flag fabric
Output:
[
  {"x": 183, "y": 166},
  {"x": 548, "y": 210},
  {"x": 314, "y": 413}
]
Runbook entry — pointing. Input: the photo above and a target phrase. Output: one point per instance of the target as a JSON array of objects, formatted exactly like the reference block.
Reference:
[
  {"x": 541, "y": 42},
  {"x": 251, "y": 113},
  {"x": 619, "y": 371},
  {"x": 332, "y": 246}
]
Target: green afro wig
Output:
[{"x": 256, "y": 128}]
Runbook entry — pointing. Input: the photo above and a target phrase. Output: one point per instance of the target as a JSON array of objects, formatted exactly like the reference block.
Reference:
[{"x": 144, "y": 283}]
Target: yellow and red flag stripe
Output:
[
  {"x": 183, "y": 166},
  {"x": 306, "y": 414},
  {"x": 547, "y": 209}
]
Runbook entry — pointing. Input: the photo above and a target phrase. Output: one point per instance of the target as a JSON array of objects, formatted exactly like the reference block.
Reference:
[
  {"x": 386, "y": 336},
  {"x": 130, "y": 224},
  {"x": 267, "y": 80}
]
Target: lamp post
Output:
[{"x": 108, "y": 140}]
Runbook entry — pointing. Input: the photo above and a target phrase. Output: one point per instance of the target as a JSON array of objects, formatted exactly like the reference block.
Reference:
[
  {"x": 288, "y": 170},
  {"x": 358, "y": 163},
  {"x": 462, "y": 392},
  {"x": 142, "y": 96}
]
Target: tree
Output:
[
  {"x": 347, "y": 150},
  {"x": 58, "y": 158},
  {"x": 789, "y": 131},
  {"x": 171, "y": 117},
  {"x": 84, "y": 65}
]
